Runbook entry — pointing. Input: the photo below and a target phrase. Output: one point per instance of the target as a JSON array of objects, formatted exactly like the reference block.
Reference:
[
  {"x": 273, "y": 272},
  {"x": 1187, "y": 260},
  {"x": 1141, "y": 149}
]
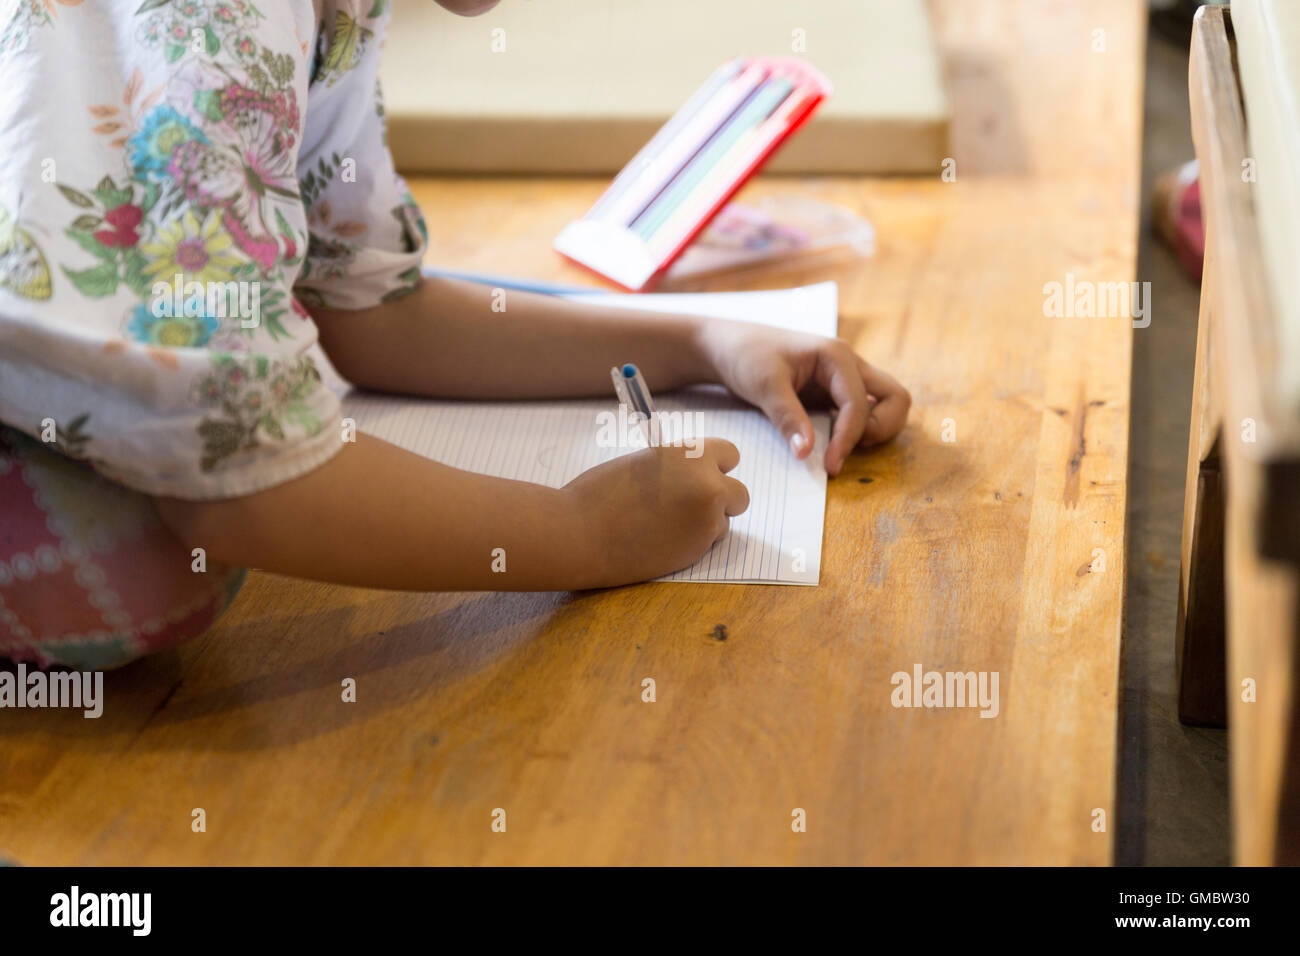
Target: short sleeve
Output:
[
  {"x": 366, "y": 234},
  {"x": 151, "y": 230}
]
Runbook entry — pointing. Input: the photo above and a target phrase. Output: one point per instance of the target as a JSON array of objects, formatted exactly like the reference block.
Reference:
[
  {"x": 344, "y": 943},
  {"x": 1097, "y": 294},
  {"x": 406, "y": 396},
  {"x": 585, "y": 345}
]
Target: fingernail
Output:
[{"x": 797, "y": 442}]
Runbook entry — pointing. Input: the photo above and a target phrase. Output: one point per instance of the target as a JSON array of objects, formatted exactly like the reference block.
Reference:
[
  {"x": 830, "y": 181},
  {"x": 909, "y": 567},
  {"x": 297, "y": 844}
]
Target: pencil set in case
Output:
[{"x": 679, "y": 181}]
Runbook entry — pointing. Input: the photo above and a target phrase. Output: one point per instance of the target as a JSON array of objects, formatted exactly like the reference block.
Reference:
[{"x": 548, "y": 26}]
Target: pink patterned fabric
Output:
[{"x": 90, "y": 578}]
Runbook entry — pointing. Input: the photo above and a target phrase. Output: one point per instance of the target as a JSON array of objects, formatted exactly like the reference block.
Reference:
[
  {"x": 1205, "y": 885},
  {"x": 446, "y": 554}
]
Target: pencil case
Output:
[{"x": 678, "y": 182}]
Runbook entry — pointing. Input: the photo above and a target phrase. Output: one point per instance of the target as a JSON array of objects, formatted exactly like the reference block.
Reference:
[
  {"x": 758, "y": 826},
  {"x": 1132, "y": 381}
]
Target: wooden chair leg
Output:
[
  {"x": 1202, "y": 620},
  {"x": 1288, "y": 824},
  {"x": 1201, "y": 664}
]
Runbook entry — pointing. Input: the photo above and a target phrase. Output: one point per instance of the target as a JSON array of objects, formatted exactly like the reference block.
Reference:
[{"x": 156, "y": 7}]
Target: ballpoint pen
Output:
[{"x": 631, "y": 389}]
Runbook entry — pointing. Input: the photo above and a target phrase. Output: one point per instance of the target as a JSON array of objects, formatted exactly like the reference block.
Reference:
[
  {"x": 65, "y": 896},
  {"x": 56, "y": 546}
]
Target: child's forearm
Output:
[
  {"x": 378, "y": 516},
  {"x": 445, "y": 340}
]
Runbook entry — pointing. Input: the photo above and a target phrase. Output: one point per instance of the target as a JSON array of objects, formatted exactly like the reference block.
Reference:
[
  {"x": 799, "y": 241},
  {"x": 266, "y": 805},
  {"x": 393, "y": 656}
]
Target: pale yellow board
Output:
[
  {"x": 1268, "y": 60},
  {"x": 580, "y": 85}
]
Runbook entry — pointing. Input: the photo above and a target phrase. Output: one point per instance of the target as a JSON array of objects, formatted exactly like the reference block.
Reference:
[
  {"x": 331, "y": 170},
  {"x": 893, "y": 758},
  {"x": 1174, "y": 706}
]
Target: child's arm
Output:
[
  {"x": 375, "y": 515},
  {"x": 444, "y": 339}
]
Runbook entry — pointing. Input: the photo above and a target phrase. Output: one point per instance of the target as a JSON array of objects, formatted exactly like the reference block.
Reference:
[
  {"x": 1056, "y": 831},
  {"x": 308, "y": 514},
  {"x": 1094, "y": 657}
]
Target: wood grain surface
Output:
[{"x": 1000, "y": 551}]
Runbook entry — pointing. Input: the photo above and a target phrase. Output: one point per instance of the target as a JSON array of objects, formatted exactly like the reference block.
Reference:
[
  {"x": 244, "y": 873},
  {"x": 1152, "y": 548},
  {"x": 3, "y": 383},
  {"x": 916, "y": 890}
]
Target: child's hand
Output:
[
  {"x": 771, "y": 368},
  {"x": 658, "y": 510}
]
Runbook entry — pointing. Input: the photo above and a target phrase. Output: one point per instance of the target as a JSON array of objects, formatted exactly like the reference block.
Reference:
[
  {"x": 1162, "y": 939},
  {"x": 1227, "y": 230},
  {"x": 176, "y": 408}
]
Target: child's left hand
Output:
[{"x": 772, "y": 369}]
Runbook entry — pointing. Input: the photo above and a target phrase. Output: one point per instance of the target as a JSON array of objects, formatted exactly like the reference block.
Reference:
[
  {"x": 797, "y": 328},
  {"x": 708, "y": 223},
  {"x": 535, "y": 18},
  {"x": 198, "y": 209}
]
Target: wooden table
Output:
[{"x": 1000, "y": 551}]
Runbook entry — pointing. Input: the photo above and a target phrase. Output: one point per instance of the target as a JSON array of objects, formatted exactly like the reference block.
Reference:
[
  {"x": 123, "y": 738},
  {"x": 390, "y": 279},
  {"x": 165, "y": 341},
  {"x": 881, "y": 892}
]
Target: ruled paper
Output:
[{"x": 777, "y": 541}]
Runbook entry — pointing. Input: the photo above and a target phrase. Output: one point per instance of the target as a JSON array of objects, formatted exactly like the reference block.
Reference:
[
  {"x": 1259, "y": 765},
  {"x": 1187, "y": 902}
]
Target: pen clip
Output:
[{"x": 620, "y": 388}]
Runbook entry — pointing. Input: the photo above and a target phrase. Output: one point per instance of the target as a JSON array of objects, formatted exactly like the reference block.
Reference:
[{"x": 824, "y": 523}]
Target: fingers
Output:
[
  {"x": 838, "y": 373},
  {"x": 889, "y": 413},
  {"x": 873, "y": 406},
  {"x": 735, "y": 497},
  {"x": 732, "y": 495},
  {"x": 722, "y": 453},
  {"x": 735, "y": 501},
  {"x": 781, "y": 405}
]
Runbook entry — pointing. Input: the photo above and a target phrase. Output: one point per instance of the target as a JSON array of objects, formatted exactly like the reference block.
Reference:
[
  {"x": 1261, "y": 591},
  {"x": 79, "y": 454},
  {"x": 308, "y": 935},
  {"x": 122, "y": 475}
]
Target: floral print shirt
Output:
[{"x": 179, "y": 179}]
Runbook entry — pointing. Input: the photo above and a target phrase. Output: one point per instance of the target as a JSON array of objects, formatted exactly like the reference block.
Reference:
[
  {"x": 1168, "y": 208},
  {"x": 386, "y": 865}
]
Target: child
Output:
[{"x": 148, "y": 146}]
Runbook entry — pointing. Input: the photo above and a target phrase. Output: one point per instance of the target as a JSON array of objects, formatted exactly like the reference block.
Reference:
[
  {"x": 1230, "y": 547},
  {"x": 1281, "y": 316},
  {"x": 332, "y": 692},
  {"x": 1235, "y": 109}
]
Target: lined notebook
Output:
[{"x": 777, "y": 541}]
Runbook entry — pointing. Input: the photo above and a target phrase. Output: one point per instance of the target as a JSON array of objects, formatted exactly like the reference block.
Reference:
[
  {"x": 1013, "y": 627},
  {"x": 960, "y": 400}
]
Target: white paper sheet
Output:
[{"x": 777, "y": 541}]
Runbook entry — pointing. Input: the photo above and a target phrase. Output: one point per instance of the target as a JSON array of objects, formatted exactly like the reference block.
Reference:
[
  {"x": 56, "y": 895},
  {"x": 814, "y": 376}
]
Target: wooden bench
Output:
[
  {"x": 1001, "y": 550},
  {"x": 1241, "y": 525}
]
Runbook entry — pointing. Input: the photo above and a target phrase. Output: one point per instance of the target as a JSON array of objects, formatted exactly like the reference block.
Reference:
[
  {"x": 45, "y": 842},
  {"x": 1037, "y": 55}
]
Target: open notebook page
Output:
[{"x": 777, "y": 541}]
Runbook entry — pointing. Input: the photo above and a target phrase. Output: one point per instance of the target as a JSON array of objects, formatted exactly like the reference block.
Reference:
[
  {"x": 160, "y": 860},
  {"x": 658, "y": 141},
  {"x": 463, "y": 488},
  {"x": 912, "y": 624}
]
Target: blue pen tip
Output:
[{"x": 629, "y": 371}]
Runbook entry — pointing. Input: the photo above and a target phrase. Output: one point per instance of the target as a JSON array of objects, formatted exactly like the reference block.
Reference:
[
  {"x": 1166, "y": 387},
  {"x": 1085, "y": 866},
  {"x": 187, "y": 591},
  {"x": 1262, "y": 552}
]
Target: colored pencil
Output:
[
  {"x": 757, "y": 109},
  {"x": 642, "y": 162},
  {"x": 663, "y": 169},
  {"x": 729, "y": 170}
]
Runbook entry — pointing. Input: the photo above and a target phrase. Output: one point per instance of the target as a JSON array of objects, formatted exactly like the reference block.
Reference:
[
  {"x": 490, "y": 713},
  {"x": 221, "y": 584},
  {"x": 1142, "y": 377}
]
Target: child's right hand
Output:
[{"x": 657, "y": 510}]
